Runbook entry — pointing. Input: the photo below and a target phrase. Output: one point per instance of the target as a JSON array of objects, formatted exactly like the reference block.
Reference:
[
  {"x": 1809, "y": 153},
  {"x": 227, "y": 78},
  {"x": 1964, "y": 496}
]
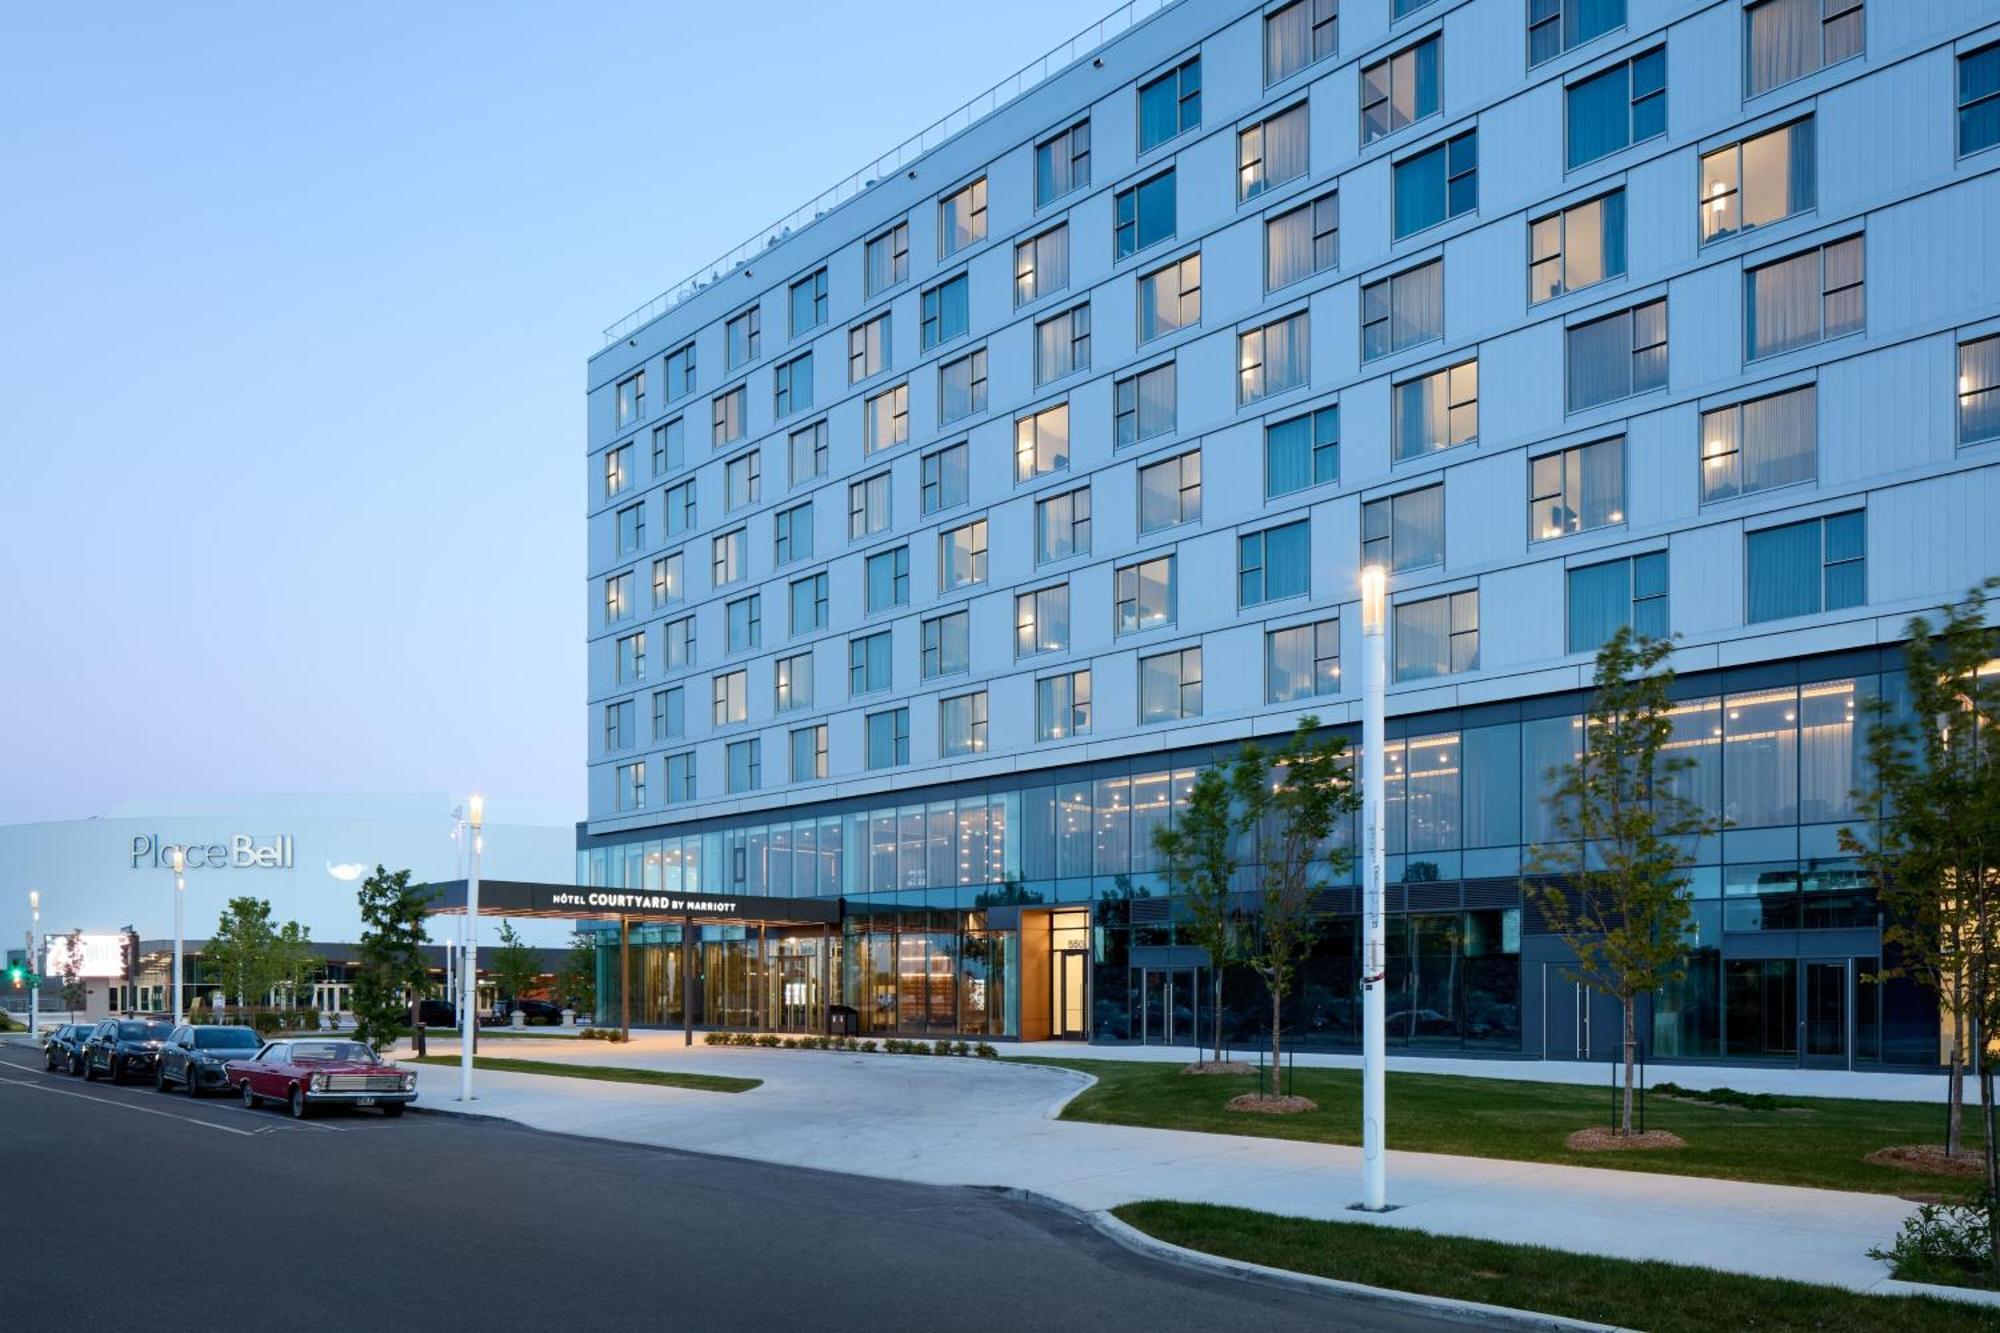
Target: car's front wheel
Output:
[
  {"x": 159, "y": 1076},
  {"x": 392, "y": 1109},
  {"x": 89, "y": 1069},
  {"x": 193, "y": 1082},
  {"x": 298, "y": 1102},
  {"x": 249, "y": 1097}
]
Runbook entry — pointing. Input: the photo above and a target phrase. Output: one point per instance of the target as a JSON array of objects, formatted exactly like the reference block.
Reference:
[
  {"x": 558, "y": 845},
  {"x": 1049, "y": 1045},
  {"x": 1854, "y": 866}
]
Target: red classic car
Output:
[{"x": 305, "y": 1073}]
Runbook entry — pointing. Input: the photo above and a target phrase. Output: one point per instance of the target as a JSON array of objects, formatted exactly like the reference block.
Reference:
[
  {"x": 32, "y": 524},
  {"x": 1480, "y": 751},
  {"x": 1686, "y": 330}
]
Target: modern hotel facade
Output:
[{"x": 939, "y": 536}]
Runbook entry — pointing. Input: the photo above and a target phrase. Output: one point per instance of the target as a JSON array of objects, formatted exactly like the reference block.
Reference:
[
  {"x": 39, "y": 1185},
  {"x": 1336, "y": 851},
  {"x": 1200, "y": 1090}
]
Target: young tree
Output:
[
  {"x": 515, "y": 965},
  {"x": 392, "y": 971},
  {"x": 1200, "y": 851},
  {"x": 578, "y": 978},
  {"x": 242, "y": 954},
  {"x": 74, "y": 992},
  {"x": 1290, "y": 803},
  {"x": 293, "y": 961},
  {"x": 1615, "y": 886}
]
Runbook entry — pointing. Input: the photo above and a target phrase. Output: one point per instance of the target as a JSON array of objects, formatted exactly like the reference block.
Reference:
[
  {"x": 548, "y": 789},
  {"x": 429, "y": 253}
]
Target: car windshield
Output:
[
  {"x": 323, "y": 1052},
  {"x": 143, "y": 1031},
  {"x": 235, "y": 1039}
]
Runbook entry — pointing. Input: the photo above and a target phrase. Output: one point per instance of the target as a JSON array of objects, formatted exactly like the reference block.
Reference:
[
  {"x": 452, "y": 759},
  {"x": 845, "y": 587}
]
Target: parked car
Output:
[
  {"x": 437, "y": 1013},
  {"x": 306, "y": 1073},
  {"x": 63, "y": 1049},
  {"x": 123, "y": 1048},
  {"x": 546, "y": 1012},
  {"x": 196, "y": 1056}
]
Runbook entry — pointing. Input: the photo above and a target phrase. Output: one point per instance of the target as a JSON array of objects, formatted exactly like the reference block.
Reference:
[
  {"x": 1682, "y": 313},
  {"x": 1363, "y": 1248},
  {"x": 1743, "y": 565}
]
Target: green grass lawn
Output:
[
  {"x": 658, "y": 1078},
  {"x": 1659, "y": 1297},
  {"x": 1816, "y": 1141}
]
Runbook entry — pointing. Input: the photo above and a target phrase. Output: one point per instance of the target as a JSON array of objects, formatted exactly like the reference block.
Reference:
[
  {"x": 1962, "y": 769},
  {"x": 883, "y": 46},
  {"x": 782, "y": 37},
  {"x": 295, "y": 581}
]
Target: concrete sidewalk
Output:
[{"x": 956, "y": 1121}]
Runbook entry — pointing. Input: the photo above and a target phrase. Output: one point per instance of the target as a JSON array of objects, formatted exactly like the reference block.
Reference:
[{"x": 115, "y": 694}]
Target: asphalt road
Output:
[{"x": 130, "y": 1209}]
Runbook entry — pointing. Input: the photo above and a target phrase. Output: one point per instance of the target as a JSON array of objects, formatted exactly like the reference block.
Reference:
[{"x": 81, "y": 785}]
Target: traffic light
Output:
[{"x": 17, "y": 976}]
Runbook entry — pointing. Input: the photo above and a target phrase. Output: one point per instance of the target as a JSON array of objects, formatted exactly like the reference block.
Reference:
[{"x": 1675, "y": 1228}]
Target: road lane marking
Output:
[{"x": 129, "y": 1106}]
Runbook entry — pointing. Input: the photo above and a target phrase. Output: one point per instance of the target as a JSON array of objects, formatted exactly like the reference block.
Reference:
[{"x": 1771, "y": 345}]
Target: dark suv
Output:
[
  {"x": 195, "y": 1054},
  {"x": 64, "y": 1048},
  {"x": 124, "y": 1048},
  {"x": 546, "y": 1012}
]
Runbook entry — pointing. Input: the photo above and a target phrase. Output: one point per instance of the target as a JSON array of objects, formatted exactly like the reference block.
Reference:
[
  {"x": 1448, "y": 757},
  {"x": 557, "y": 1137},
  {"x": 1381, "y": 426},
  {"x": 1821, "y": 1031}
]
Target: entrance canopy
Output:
[{"x": 576, "y": 902}]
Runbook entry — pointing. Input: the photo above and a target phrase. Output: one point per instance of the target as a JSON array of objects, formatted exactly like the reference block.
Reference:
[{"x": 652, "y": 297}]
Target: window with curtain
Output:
[
  {"x": 1759, "y": 445},
  {"x": 1062, "y": 706},
  {"x": 962, "y": 386},
  {"x": 1302, "y": 662},
  {"x": 889, "y": 738},
  {"x": 1274, "y": 564},
  {"x": 1302, "y": 451},
  {"x": 1624, "y": 105},
  {"x": 669, "y": 446},
  {"x": 732, "y": 697},
  {"x": 1979, "y": 390},
  {"x": 962, "y": 725},
  {"x": 1576, "y": 248},
  {"x": 731, "y": 408},
  {"x": 792, "y": 534},
  {"x": 1979, "y": 100},
  {"x": 745, "y": 623},
  {"x": 1618, "y": 594},
  {"x": 1833, "y": 754},
  {"x": 868, "y": 348},
  {"x": 962, "y": 556},
  {"x": 1761, "y": 180},
  {"x": 1802, "y": 569},
  {"x": 1402, "y": 311},
  {"x": 1301, "y": 33},
  {"x": 887, "y": 415},
  {"x": 809, "y": 754},
  {"x": 1041, "y": 442},
  {"x": 1170, "y": 686},
  {"x": 792, "y": 386},
  {"x": 1437, "y": 636},
  {"x": 1143, "y": 215},
  {"x": 1062, "y": 344},
  {"x": 886, "y": 260},
  {"x": 1041, "y": 265},
  {"x": 886, "y": 579},
  {"x": 1437, "y": 184},
  {"x": 1272, "y": 359},
  {"x": 1548, "y": 745},
  {"x": 1144, "y": 595},
  {"x": 944, "y": 477},
  {"x": 1437, "y": 411},
  {"x": 680, "y": 372},
  {"x": 792, "y": 682},
  {"x": 1144, "y": 405},
  {"x": 746, "y": 765},
  {"x": 1271, "y": 153},
  {"x": 807, "y": 450},
  {"x": 1490, "y": 790},
  {"x": 867, "y": 506},
  {"x": 1803, "y": 299},
  {"x": 1404, "y": 531},
  {"x": 1062, "y": 163},
  {"x": 1556, "y": 26},
  {"x": 947, "y": 645},
  {"x": 1575, "y": 490},
  {"x": 808, "y": 302},
  {"x": 946, "y": 311},
  {"x": 1169, "y": 298},
  {"x": 1062, "y": 526},
  {"x": 1041, "y": 621},
  {"x": 1399, "y": 91},
  {"x": 1170, "y": 105},
  {"x": 1170, "y": 492},
  {"x": 1789, "y": 39},
  {"x": 669, "y": 714},
  {"x": 1302, "y": 241},
  {"x": 962, "y": 218},
  {"x": 1617, "y": 356},
  {"x": 869, "y": 663},
  {"x": 1760, "y": 757}
]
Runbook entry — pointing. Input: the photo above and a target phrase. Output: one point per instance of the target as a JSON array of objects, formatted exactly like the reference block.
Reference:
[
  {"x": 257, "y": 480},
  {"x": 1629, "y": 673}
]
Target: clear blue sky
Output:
[{"x": 294, "y": 308}]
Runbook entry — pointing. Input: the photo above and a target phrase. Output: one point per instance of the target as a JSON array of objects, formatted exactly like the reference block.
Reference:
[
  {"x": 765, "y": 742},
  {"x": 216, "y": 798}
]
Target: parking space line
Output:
[{"x": 129, "y": 1106}]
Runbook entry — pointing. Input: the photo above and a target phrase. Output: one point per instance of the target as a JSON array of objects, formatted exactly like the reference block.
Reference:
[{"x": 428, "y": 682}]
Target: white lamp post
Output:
[
  {"x": 475, "y": 816},
  {"x": 34, "y": 962},
  {"x": 180, "y": 894},
  {"x": 1374, "y": 956}
]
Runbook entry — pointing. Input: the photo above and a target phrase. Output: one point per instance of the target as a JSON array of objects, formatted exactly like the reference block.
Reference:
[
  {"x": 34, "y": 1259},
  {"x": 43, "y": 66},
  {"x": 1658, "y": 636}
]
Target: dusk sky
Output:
[{"x": 296, "y": 304}]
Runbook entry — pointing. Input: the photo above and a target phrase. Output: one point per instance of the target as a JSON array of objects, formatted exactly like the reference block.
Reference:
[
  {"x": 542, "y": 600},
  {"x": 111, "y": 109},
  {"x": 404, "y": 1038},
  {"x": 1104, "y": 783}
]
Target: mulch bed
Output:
[
  {"x": 1602, "y": 1139},
  {"x": 1217, "y": 1067},
  {"x": 1927, "y": 1159},
  {"x": 1261, "y": 1105}
]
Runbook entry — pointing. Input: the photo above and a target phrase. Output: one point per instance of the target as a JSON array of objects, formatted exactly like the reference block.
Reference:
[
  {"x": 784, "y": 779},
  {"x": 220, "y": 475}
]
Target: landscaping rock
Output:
[
  {"x": 1604, "y": 1139},
  {"x": 1263, "y": 1105}
]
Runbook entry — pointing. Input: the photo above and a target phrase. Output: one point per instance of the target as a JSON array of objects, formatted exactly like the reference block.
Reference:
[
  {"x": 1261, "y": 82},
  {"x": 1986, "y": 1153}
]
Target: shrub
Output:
[
  {"x": 791, "y": 1043},
  {"x": 960, "y": 1048},
  {"x": 613, "y": 1034},
  {"x": 1944, "y": 1243},
  {"x": 868, "y": 1045},
  {"x": 942, "y": 1047},
  {"x": 986, "y": 1052},
  {"x": 768, "y": 1039},
  {"x": 715, "y": 1039}
]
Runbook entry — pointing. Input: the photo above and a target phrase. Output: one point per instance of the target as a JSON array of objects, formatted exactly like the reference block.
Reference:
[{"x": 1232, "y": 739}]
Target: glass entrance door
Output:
[
  {"x": 1826, "y": 1032},
  {"x": 1072, "y": 1005},
  {"x": 1170, "y": 1009},
  {"x": 795, "y": 993}
]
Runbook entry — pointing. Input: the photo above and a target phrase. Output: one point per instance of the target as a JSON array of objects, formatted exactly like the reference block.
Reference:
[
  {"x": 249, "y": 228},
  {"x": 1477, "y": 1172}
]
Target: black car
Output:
[
  {"x": 63, "y": 1049},
  {"x": 437, "y": 1013},
  {"x": 124, "y": 1048},
  {"x": 194, "y": 1056},
  {"x": 547, "y": 1012}
]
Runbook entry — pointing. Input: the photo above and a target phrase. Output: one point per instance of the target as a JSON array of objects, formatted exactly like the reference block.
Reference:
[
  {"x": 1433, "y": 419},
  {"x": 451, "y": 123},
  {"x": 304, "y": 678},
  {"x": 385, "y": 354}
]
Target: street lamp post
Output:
[
  {"x": 180, "y": 894},
  {"x": 475, "y": 816},
  {"x": 1374, "y": 961},
  {"x": 34, "y": 962}
]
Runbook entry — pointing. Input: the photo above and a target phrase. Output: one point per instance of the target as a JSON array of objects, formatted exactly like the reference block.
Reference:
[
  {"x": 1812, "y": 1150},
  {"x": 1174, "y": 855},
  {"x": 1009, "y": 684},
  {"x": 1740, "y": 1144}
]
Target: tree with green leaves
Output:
[
  {"x": 1612, "y": 882},
  {"x": 516, "y": 965},
  {"x": 74, "y": 992},
  {"x": 293, "y": 961},
  {"x": 578, "y": 978},
  {"x": 1289, "y": 803},
  {"x": 391, "y": 972},
  {"x": 242, "y": 954},
  {"x": 1199, "y": 849}
]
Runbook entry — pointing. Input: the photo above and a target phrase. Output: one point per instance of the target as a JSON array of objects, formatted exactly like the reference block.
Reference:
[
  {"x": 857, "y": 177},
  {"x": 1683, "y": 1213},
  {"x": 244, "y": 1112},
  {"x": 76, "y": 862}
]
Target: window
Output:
[
  {"x": 1437, "y": 411},
  {"x": 1170, "y": 298},
  {"x": 617, "y": 470},
  {"x": 808, "y": 604},
  {"x": 1170, "y": 105},
  {"x": 1979, "y": 100},
  {"x": 632, "y": 658},
  {"x": 669, "y": 714},
  {"x": 741, "y": 336},
  {"x": 793, "y": 539},
  {"x": 1402, "y": 311},
  {"x": 962, "y": 387},
  {"x": 947, "y": 645},
  {"x": 868, "y": 663},
  {"x": 808, "y": 452},
  {"x": 1062, "y": 163},
  {"x": 886, "y": 580},
  {"x": 1041, "y": 265},
  {"x": 1618, "y": 594},
  {"x": 1274, "y": 564},
  {"x": 1041, "y": 621},
  {"x": 792, "y": 386},
  {"x": 1145, "y": 595},
  {"x": 1297, "y": 35},
  {"x": 742, "y": 481},
  {"x": 669, "y": 446},
  {"x": 809, "y": 753},
  {"x": 1404, "y": 531},
  {"x": 680, "y": 777},
  {"x": 1617, "y": 356},
  {"x": 886, "y": 260},
  {"x": 1170, "y": 686},
  {"x": 946, "y": 313},
  {"x": 962, "y": 725},
  {"x": 669, "y": 579},
  {"x": 1437, "y": 184},
  {"x": 1624, "y": 105},
  {"x": 962, "y": 218},
  {"x": 680, "y": 372},
  {"x": 745, "y": 620},
  {"x": 962, "y": 556},
  {"x": 887, "y": 418},
  {"x": 1302, "y": 241},
  {"x": 730, "y": 557},
  {"x": 1760, "y": 181},
  {"x": 1271, "y": 153},
  {"x": 732, "y": 697},
  {"x": 1062, "y": 526},
  {"x": 1802, "y": 300},
  {"x": 1582, "y": 245},
  {"x": 617, "y": 598},
  {"x": 678, "y": 502},
  {"x": 1437, "y": 636},
  {"x": 868, "y": 506},
  {"x": 794, "y": 682},
  {"x": 1759, "y": 445},
  {"x": 868, "y": 348},
  {"x": 1144, "y": 405},
  {"x": 1802, "y": 569},
  {"x": 680, "y": 642},
  {"x": 746, "y": 765},
  {"x": 1272, "y": 359},
  {"x": 1144, "y": 215},
  {"x": 944, "y": 478},
  {"x": 1302, "y": 662},
  {"x": 1399, "y": 91},
  {"x": 618, "y": 726},
  {"x": 889, "y": 738},
  {"x": 1062, "y": 344},
  {"x": 1556, "y": 26},
  {"x": 631, "y": 529},
  {"x": 1789, "y": 39},
  {"x": 729, "y": 409},
  {"x": 1576, "y": 490},
  {"x": 1979, "y": 390},
  {"x": 1062, "y": 706},
  {"x": 1170, "y": 492},
  {"x": 632, "y": 786},
  {"x": 1041, "y": 442},
  {"x": 808, "y": 302},
  {"x": 631, "y": 400}
]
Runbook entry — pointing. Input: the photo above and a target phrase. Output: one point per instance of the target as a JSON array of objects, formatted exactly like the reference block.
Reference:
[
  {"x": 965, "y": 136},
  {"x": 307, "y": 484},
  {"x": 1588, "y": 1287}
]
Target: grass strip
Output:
[
  {"x": 1659, "y": 1297},
  {"x": 658, "y": 1078}
]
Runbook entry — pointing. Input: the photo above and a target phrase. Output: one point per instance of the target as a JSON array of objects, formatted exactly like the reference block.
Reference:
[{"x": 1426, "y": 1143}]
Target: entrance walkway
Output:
[{"x": 961, "y": 1121}]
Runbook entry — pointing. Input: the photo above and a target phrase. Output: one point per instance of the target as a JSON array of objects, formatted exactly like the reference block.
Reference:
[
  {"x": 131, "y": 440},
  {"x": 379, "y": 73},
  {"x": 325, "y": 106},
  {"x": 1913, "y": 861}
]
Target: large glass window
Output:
[
  {"x": 742, "y": 337},
  {"x": 1302, "y": 241},
  {"x": 1143, "y": 214},
  {"x": 1789, "y": 39},
  {"x": 962, "y": 556},
  {"x": 1979, "y": 390},
  {"x": 808, "y": 302},
  {"x": 886, "y": 579},
  {"x": 1624, "y": 105},
  {"x": 886, "y": 417},
  {"x": 1404, "y": 531},
  {"x": 1062, "y": 344},
  {"x": 669, "y": 446},
  {"x": 731, "y": 558},
  {"x": 1297, "y": 35},
  {"x": 869, "y": 661},
  {"x": 1979, "y": 100},
  {"x": 962, "y": 725},
  {"x": 1803, "y": 299},
  {"x": 947, "y": 645},
  {"x": 1402, "y": 311},
  {"x": 867, "y": 506},
  {"x": 1302, "y": 451},
  {"x": 1556, "y": 26},
  {"x": 962, "y": 218},
  {"x": 868, "y": 348},
  {"x": 746, "y": 765},
  {"x": 1576, "y": 490},
  {"x": 1170, "y": 492},
  {"x": 1437, "y": 184},
  {"x": 680, "y": 372},
  {"x": 889, "y": 738},
  {"x": 808, "y": 604},
  {"x": 886, "y": 260},
  {"x": 1274, "y": 564},
  {"x": 630, "y": 401},
  {"x": 945, "y": 479},
  {"x": 1617, "y": 356},
  {"x": 632, "y": 786},
  {"x": 1801, "y": 569},
  {"x": 1272, "y": 152},
  {"x": 617, "y": 470},
  {"x": 730, "y": 416},
  {"x": 1399, "y": 91},
  {"x": 1437, "y": 411},
  {"x": 669, "y": 714},
  {"x": 1041, "y": 621},
  {"x": 946, "y": 311},
  {"x": 632, "y": 657},
  {"x": 1759, "y": 445},
  {"x": 1062, "y": 706},
  {"x": 1761, "y": 180},
  {"x": 669, "y": 579},
  {"x": 792, "y": 534},
  {"x": 1273, "y": 358},
  {"x": 1041, "y": 442},
  {"x": 742, "y": 481},
  {"x": 809, "y": 753},
  {"x": 1062, "y": 163},
  {"x": 1145, "y": 595},
  {"x": 745, "y": 623},
  {"x": 1576, "y": 248},
  {"x": 1170, "y": 105},
  {"x": 1437, "y": 636},
  {"x": 1302, "y": 661},
  {"x": 793, "y": 682},
  {"x": 618, "y": 598},
  {"x": 1041, "y": 264},
  {"x": 1144, "y": 405},
  {"x": 807, "y": 448},
  {"x": 1170, "y": 686},
  {"x": 680, "y": 638},
  {"x": 962, "y": 387},
  {"x": 792, "y": 386},
  {"x": 1618, "y": 594},
  {"x": 1170, "y": 298},
  {"x": 1760, "y": 765},
  {"x": 732, "y": 697},
  {"x": 1062, "y": 526}
]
